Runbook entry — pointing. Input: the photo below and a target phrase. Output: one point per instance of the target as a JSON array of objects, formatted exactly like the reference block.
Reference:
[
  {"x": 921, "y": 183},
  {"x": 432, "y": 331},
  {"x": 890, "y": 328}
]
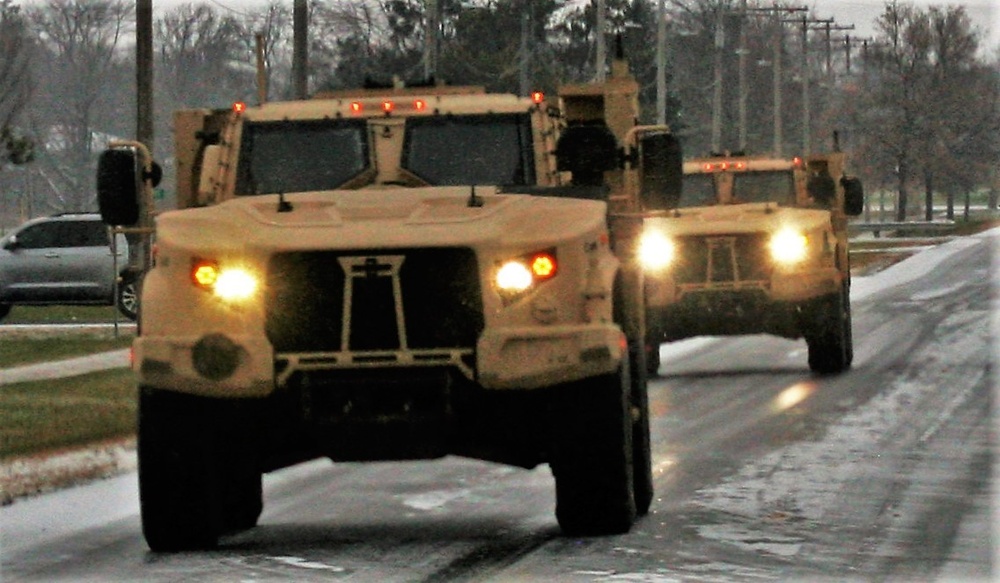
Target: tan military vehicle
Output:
[
  {"x": 757, "y": 245},
  {"x": 395, "y": 274}
]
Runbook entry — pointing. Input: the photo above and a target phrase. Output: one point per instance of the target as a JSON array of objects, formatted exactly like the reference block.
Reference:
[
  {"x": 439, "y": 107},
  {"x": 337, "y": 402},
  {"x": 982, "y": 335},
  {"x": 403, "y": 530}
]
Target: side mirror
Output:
[
  {"x": 661, "y": 165},
  {"x": 11, "y": 244},
  {"x": 119, "y": 186},
  {"x": 587, "y": 151},
  {"x": 854, "y": 196}
]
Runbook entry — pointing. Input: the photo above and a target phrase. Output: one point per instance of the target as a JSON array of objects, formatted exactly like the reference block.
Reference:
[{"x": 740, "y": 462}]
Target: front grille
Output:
[
  {"x": 373, "y": 300},
  {"x": 722, "y": 259}
]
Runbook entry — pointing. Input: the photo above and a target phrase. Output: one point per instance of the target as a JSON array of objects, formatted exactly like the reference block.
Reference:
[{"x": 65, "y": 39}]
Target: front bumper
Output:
[
  {"x": 774, "y": 306},
  {"x": 224, "y": 365}
]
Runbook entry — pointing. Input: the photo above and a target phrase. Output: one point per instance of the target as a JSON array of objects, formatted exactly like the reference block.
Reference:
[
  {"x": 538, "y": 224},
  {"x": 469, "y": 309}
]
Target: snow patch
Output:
[{"x": 434, "y": 500}]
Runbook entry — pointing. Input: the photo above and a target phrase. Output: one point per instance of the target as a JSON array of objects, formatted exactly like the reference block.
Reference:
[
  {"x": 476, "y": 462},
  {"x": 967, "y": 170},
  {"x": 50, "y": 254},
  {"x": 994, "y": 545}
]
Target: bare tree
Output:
[
  {"x": 87, "y": 85},
  {"x": 15, "y": 83}
]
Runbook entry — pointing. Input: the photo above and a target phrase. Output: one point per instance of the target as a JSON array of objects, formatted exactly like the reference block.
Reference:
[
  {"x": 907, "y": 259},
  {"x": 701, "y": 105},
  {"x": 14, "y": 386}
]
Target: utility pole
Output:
[
  {"x": 661, "y": 63},
  {"x": 300, "y": 49},
  {"x": 139, "y": 249},
  {"x": 431, "y": 38},
  {"x": 776, "y": 43},
  {"x": 144, "y": 72},
  {"x": 743, "y": 50},
  {"x": 525, "y": 61},
  {"x": 601, "y": 50},
  {"x": 720, "y": 43},
  {"x": 828, "y": 27},
  {"x": 804, "y": 68}
]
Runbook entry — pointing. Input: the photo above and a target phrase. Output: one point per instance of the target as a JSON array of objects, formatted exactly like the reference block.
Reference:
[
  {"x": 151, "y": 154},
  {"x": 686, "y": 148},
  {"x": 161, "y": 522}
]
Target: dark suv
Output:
[{"x": 66, "y": 259}]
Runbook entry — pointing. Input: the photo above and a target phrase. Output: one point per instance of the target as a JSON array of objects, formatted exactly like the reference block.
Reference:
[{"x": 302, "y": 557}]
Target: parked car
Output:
[{"x": 66, "y": 259}]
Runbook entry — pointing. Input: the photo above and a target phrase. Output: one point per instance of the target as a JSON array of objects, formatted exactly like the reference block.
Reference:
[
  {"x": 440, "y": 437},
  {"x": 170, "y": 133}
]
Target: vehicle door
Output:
[
  {"x": 32, "y": 265},
  {"x": 89, "y": 271}
]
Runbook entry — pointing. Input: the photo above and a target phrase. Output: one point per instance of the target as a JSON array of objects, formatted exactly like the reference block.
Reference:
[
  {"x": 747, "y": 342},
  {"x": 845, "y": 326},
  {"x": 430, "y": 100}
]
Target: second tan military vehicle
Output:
[{"x": 757, "y": 245}]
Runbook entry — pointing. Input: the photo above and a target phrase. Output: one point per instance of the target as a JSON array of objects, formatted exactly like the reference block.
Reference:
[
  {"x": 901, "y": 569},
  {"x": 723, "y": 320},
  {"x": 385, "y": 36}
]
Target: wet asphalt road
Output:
[{"x": 764, "y": 472}]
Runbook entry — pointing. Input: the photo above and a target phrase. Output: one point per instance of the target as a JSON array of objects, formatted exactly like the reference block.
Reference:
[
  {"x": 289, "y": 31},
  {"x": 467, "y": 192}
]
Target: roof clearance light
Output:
[
  {"x": 356, "y": 107},
  {"x": 796, "y": 161},
  {"x": 239, "y": 107},
  {"x": 708, "y": 167},
  {"x": 537, "y": 96},
  {"x": 387, "y": 106},
  {"x": 741, "y": 166},
  {"x": 419, "y": 104}
]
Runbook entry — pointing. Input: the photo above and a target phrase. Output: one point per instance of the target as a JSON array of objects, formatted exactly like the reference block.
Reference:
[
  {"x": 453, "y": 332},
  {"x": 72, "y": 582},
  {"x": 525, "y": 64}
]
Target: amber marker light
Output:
[
  {"x": 543, "y": 266},
  {"x": 204, "y": 273},
  {"x": 419, "y": 104},
  {"x": 388, "y": 106},
  {"x": 239, "y": 107},
  {"x": 537, "y": 97},
  {"x": 356, "y": 107}
]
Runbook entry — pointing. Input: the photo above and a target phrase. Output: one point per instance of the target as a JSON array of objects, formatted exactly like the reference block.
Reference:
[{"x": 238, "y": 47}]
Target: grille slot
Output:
[
  {"x": 722, "y": 259},
  {"x": 373, "y": 300}
]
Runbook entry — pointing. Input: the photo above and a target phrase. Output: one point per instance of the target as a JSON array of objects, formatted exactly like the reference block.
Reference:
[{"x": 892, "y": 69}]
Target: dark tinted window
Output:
[
  {"x": 698, "y": 190},
  {"x": 300, "y": 156},
  {"x": 470, "y": 149},
  {"x": 64, "y": 234},
  {"x": 40, "y": 236},
  {"x": 776, "y": 187}
]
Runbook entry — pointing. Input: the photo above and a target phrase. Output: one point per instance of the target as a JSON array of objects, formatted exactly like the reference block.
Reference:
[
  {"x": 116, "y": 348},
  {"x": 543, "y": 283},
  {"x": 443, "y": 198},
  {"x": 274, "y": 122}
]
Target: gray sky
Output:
[{"x": 985, "y": 14}]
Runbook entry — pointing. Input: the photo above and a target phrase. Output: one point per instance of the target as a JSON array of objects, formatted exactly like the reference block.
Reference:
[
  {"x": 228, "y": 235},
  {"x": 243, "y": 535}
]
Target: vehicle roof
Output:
[
  {"x": 404, "y": 105},
  {"x": 710, "y": 164}
]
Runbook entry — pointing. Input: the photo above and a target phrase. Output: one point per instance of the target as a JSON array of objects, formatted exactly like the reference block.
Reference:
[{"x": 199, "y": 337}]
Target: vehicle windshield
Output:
[
  {"x": 299, "y": 156},
  {"x": 470, "y": 149},
  {"x": 771, "y": 186},
  {"x": 699, "y": 190}
]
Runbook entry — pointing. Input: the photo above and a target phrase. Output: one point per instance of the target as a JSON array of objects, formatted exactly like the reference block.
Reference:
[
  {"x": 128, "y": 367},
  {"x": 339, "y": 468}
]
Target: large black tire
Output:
[
  {"x": 592, "y": 458},
  {"x": 4, "y": 310},
  {"x": 128, "y": 296},
  {"x": 642, "y": 458},
  {"x": 196, "y": 479},
  {"x": 829, "y": 335},
  {"x": 652, "y": 358}
]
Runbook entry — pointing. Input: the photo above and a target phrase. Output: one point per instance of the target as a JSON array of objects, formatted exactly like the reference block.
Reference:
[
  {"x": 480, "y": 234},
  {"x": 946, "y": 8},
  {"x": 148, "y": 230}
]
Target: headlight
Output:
[
  {"x": 518, "y": 275},
  {"x": 231, "y": 284},
  {"x": 656, "y": 251},
  {"x": 788, "y": 246}
]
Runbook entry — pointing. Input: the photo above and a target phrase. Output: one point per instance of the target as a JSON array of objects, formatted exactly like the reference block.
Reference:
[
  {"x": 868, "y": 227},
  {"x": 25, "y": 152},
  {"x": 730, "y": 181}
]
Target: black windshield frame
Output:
[
  {"x": 301, "y": 155},
  {"x": 470, "y": 149}
]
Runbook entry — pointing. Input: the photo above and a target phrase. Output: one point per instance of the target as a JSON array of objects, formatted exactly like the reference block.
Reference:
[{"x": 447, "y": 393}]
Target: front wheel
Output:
[
  {"x": 4, "y": 310},
  {"x": 592, "y": 460},
  {"x": 179, "y": 496},
  {"x": 829, "y": 335},
  {"x": 197, "y": 477}
]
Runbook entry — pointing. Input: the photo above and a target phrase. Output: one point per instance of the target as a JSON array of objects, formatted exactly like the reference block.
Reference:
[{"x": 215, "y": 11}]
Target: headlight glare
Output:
[
  {"x": 513, "y": 276},
  {"x": 231, "y": 284},
  {"x": 235, "y": 285},
  {"x": 656, "y": 250},
  {"x": 789, "y": 246}
]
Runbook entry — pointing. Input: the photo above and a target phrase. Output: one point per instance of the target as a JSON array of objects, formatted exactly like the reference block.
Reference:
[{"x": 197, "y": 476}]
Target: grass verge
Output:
[
  {"x": 21, "y": 351},
  {"x": 66, "y": 413},
  {"x": 64, "y": 315}
]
